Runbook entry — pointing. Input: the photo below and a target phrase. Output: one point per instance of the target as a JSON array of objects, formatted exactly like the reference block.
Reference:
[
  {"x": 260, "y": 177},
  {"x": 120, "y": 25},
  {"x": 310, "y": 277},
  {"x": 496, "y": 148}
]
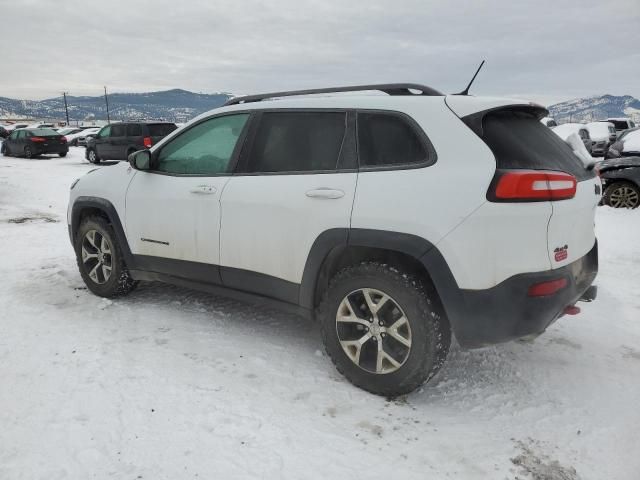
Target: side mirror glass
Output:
[{"x": 140, "y": 160}]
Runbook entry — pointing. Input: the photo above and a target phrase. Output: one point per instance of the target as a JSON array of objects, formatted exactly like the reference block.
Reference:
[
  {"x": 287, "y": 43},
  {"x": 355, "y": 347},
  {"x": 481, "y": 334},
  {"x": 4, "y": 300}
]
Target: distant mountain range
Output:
[
  {"x": 180, "y": 105},
  {"x": 596, "y": 108},
  {"x": 172, "y": 105}
]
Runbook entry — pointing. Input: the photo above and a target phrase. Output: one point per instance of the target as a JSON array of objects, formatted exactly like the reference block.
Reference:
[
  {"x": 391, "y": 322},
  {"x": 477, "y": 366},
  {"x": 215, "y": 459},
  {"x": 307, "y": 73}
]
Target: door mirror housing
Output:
[{"x": 140, "y": 160}]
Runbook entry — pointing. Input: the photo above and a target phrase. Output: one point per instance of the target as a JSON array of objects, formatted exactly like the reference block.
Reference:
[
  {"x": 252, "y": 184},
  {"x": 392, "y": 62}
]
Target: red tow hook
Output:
[{"x": 571, "y": 310}]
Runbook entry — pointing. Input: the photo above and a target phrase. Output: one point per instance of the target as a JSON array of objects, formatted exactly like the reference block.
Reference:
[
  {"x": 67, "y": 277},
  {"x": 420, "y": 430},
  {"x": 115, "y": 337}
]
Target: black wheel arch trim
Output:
[{"x": 83, "y": 203}]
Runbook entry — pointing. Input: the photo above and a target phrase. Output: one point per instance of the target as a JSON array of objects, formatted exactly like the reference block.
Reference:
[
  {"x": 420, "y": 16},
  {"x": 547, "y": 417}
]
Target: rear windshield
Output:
[
  {"x": 44, "y": 132},
  {"x": 619, "y": 124},
  {"x": 161, "y": 129},
  {"x": 519, "y": 141}
]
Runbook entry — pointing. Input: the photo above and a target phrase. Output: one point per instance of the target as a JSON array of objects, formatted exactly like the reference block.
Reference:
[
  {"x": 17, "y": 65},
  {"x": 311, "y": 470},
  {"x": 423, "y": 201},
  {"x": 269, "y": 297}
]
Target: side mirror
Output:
[{"x": 140, "y": 160}]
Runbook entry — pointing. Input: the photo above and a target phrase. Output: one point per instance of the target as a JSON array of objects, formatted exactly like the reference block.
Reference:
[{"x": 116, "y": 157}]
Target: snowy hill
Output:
[
  {"x": 173, "y": 105},
  {"x": 596, "y": 108}
]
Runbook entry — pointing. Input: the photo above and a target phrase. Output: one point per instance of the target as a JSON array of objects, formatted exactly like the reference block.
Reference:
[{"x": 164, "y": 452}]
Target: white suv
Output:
[{"x": 395, "y": 220}]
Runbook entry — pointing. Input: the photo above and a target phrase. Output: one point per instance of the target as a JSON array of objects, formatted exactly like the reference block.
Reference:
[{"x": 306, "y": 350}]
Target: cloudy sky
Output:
[{"x": 544, "y": 50}]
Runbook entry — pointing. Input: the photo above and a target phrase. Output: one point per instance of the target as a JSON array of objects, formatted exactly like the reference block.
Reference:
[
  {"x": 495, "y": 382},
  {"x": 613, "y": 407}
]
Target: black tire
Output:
[
  {"x": 5, "y": 150},
  {"x": 28, "y": 153},
  {"x": 430, "y": 332},
  {"x": 63, "y": 154},
  {"x": 92, "y": 156},
  {"x": 119, "y": 281},
  {"x": 622, "y": 194}
]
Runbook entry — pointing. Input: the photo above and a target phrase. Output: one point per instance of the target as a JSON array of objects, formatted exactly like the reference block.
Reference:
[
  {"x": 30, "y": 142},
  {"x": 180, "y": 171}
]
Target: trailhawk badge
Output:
[{"x": 561, "y": 253}]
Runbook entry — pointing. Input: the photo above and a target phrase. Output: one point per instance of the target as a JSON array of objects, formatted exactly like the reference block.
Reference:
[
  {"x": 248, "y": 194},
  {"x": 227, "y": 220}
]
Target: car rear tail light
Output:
[
  {"x": 544, "y": 289},
  {"x": 147, "y": 142},
  {"x": 63, "y": 139},
  {"x": 532, "y": 186},
  {"x": 38, "y": 139}
]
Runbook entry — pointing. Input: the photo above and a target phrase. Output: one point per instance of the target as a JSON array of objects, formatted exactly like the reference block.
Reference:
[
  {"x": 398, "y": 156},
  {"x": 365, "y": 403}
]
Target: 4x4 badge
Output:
[{"x": 561, "y": 253}]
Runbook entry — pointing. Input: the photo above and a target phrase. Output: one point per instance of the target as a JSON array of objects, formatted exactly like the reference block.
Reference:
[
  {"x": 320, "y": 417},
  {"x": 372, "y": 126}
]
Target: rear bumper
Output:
[
  {"x": 40, "y": 150},
  {"x": 506, "y": 312}
]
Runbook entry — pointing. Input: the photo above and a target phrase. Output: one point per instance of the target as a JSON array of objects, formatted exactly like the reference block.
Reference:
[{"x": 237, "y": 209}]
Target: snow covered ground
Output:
[{"x": 173, "y": 384}]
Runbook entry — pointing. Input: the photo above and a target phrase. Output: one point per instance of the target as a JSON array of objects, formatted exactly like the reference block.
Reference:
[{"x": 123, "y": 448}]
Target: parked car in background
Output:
[
  {"x": 621, "y": 124},
  {"x": 15, "y": 126},
  {"x": 626, "y": 145},
  {"x": 621, "y": 181},
  {"x": 50, "y": 126},
  {"x": 119, "y": 140},
  {"x": 602, "y": 135},
  {"x": 68, "y": 130},
  {"x": 79, "y": 138},
  {"x": 4, "y": 133},
  {"x": 31, "y": 142},
  {"x": 321, "y": 211},
  {"x": 549, "y": 122},
  {"x": 566, "y": 129}
]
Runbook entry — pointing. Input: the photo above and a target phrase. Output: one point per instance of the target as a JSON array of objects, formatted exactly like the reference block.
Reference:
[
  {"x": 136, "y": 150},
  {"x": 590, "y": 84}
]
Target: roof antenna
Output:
[{"x": 466, "y": 90}]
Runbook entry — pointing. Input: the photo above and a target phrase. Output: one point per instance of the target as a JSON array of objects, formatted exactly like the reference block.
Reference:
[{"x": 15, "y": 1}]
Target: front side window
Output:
[
  {"x": 387, "y": 139},
  {"x": 297, "y": 142},
  {"x": 105, "y": 132},
  {"x": 13, "y": 135},
  {"x": 205, "y": 149}
]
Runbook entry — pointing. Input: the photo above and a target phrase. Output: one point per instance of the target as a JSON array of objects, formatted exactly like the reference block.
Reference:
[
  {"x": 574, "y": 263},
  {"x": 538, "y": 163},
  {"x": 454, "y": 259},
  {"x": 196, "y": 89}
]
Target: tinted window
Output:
[
  {"x": 22, "y": 134},
  {"x": 161, "y": 129},
  {"x": 297, "y": 141},
  {"x": 204, "y": 149},
  {"x": 134, "y": 130},
  {"x": 519, "y": 141},
  {"x": 386, "y": 139},
  {"x": 14, "y": 135},
  {"x": 118, "y": 131}
]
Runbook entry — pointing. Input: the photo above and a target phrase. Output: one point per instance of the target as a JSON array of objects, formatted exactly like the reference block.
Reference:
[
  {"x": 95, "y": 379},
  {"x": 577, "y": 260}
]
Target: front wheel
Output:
[
  {"x": 382, "y": 328},
  {"x": 92, "y": 156},
  {"x": 100, "y": 259},
  {"x": 5, "y": 150},
  {"x": 622, "y": 195},
  {"x": 63, "y": 154}
]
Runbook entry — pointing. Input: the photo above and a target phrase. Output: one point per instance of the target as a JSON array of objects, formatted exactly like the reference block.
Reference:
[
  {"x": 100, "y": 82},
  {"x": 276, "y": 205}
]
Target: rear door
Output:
[{"x": 296, "y": 180}]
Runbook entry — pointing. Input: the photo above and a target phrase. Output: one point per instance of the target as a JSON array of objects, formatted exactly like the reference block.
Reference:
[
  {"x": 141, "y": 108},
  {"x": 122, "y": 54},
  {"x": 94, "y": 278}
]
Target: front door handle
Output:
[
  {"x": 204, "y": 190},
  {"x": 325, "y": 193}
]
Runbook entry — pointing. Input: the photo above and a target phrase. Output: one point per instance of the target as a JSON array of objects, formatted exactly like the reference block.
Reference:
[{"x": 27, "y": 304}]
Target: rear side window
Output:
[
  {"x": 519, "y": 141},
  {"x": 118, "y": 131},
  {"x": 134, "y": 130},
  {"x": 160, "y": 129},
  {"x": 388, "y": 139},
  {"x": 297, "y": 142}
]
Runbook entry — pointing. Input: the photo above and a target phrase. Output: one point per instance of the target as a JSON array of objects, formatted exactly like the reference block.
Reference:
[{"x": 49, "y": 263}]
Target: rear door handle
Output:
[
  {"x": 204, "y": 190},
  {"x": 325, "y": 193}
]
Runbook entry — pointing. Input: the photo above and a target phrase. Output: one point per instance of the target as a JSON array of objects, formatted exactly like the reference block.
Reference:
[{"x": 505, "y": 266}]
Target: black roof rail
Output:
[{"x": 388, "y": 88}]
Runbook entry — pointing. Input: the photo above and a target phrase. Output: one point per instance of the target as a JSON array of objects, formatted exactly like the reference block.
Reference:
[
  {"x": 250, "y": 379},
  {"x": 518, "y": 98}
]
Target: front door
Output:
[
  {"x": 101, "y": 142},
  {"x": 173, "y": 209}
]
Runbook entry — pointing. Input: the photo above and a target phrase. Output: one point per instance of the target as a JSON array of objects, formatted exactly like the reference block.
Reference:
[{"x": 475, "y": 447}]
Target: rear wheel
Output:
[
  {"x": 100, "y": 259},
  {"x": 382, "y": 329},
  {"x": 92, "y": 156},
  {"x": 28, "y": 153},
  {"x": 622, "y": 195},
  {"x": 63, "y": 154}
]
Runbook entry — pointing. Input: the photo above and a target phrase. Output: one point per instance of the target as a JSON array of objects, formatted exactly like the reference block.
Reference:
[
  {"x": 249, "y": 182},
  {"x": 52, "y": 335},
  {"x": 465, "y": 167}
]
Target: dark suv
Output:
[{"x": 118, "y": 140}]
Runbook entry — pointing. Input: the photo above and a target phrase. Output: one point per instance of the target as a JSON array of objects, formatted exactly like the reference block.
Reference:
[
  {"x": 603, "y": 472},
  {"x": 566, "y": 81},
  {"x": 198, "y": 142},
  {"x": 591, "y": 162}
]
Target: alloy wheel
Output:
[
  {"x": 373, "y": 331},
  {"x": 96, "y": 256},
  {"x": 624, "y": 196},
  {"x": 92, "y": 156}
]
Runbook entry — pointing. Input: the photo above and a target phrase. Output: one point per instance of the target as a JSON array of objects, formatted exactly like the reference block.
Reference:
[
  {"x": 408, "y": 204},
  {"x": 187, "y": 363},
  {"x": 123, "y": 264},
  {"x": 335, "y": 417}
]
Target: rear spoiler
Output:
[{"x": 474, "y": 121}]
